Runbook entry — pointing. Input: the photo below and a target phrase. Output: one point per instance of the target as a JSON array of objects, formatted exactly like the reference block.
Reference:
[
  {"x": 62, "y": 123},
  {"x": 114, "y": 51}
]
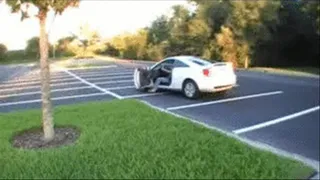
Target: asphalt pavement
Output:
[{"x": 280, "y": 111}]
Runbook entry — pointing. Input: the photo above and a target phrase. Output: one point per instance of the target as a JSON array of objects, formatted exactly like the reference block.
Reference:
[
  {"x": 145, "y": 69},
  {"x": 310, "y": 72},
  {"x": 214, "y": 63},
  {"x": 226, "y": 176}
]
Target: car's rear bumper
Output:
[{"x": 218, "y": 83}]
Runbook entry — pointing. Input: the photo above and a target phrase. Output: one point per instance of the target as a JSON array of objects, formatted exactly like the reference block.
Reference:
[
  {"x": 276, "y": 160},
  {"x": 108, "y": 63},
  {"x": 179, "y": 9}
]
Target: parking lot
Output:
[{"x": 277, "y": 110}]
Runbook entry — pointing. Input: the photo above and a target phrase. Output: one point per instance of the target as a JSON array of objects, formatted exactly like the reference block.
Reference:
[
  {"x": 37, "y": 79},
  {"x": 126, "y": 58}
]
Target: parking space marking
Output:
[
  {"x": 91, "y": 84},
  {"x": 142, "y": 95},
  {"x": 33, "y": 83},
  {"x": 107, "y": 78},
  {"x": 225, "y": 100},
  {"x": 93, "y": 67},
  {"x": 38, "y": 86},
  {"x": 39, "y": 92},
  {"x": 114, "y": 82},
  {"x": 276, "y": 121},
  {"x": 56, "y": 98},
  {"x": 62, "y": 84},
  {"x": 120, "y": 87},
  {"x": 28, "y": 79},
  {"x": 102, "y": 73}
]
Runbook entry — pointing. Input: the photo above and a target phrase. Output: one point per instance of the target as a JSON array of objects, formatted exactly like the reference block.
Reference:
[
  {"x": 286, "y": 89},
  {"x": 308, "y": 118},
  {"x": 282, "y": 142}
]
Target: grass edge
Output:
[
  {"x": 254, "y": 144},
  {"x": 283, "y": 72},
  {"x": 247, "y": 142}
]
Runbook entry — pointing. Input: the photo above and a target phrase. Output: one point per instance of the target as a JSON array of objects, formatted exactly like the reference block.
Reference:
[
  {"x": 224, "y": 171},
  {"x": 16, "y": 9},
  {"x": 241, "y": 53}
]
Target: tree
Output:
[
  {"x": 228, "y": 45},
  {"x": 32, "y": 48},
  {"x": 3, "y": 52},
  {"x": 89, "y": 40},
  {"x": 63, "y": 46},
  {"x": 43, "y": 7},
  {"x": 159, "y": 30},
  {"x": 109, "y": 49}
]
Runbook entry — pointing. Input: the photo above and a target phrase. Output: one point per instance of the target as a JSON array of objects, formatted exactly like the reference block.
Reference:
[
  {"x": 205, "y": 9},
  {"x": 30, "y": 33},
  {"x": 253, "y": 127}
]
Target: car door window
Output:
[
  {"x": 179, "y": 64},
  {"x": 169, "y": 62},
  {"x": 166, "y": 62}
]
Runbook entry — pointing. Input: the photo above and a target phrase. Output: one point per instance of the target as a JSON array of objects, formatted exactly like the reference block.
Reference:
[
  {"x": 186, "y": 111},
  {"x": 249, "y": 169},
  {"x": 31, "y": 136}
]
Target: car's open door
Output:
[{"x": 140, "y": 78}]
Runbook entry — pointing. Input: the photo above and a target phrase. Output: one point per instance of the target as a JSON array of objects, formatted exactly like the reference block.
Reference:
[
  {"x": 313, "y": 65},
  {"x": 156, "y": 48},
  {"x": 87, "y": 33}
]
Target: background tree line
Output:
[
  {"x": 31, "y": 52},
  {"x": 85, "y": 43},
  {"x": 266, "y": 33},
  {"x": 262, "y": 33}
]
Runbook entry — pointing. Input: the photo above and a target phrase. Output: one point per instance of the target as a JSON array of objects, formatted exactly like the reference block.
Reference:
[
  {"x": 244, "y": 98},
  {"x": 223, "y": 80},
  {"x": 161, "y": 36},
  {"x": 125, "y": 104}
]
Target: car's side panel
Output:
[
  {"x": 181, "y": 74},
  {"x": 177, "y": 75}
]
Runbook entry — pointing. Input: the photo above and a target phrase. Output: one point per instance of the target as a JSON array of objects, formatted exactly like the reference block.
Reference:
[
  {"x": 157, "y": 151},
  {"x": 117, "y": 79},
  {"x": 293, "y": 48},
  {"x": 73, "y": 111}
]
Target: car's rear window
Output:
[{"x": 200, "y": 62}]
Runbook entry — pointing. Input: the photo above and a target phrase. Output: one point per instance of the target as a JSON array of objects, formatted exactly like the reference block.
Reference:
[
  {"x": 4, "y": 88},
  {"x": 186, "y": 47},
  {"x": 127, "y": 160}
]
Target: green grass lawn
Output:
[
  {"x": 128, "y": 139},
  {"x": 294, "y": 71}
]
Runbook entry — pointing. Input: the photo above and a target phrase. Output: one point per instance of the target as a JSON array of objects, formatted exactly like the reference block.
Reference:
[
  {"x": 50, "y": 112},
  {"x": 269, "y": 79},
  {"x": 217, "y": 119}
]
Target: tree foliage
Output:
[
  {"x": 266, "y": 33},
  {"x": 63, "y": 46},
  {"x": 3, "y": 52},
  {"x": 32, "y": 47}
]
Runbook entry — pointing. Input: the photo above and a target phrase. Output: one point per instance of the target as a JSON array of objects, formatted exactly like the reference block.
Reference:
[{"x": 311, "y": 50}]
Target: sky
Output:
[{"x": 108, "y": 17}]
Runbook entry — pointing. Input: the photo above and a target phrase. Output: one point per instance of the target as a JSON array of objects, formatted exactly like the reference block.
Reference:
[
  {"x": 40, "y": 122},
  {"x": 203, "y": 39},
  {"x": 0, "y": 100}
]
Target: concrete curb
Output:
[
  {"x": 238, "y": 69},
  {"x": 309, "y": 162}
]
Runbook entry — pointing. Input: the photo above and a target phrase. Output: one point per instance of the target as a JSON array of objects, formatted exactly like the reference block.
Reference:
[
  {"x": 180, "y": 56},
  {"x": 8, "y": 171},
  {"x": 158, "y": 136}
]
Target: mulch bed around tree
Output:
[{"x": 33, "y": 138}]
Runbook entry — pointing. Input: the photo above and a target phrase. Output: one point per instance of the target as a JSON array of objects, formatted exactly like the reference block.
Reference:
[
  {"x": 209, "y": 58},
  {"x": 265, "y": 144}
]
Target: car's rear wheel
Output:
[{"x": 190, "y": 89}]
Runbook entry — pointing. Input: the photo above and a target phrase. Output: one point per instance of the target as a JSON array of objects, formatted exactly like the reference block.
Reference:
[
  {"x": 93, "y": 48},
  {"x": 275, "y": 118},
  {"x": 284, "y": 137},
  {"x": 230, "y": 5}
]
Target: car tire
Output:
[{"x": 190, "y": 89}]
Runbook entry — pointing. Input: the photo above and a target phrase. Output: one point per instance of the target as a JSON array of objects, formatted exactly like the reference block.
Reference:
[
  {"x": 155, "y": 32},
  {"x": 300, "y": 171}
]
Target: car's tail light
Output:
[{"x": 206, "y": 72}]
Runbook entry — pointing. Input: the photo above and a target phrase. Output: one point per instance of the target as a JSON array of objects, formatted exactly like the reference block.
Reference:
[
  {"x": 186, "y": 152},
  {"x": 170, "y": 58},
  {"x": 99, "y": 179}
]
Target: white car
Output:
[{"x": 190, "y": 75}]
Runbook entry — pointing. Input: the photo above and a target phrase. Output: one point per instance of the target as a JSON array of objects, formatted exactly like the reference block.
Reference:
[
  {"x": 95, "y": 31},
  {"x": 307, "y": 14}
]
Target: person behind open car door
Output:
[
  {"x": 145, "y": 77},
  {"x": 164, "y": 76}
]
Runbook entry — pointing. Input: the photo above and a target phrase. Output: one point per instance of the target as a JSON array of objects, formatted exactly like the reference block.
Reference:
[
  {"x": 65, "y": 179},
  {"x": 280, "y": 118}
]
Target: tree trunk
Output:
[
  {"x": 47, "y": 118},
  {"x": 246, "y": 63}
]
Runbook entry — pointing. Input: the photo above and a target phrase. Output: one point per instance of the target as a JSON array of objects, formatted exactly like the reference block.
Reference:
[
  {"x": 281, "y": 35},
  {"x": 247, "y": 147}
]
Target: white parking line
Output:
[
  {"x": 63, "y": 84},
  {"x": 142, "y": 95},
  {"x": 120, "y": 87},
  {"x": 38, "y": 86},
  {"x": 59, "y": 78},
  {"x": 57, "y": 98},
  {"x": 33, "y": 83},
  {"x": 275, "y": 121},
  {"x": 91, "y": 84},
  {"x": 108, "y": 78},
  {"x": 225, "y": 100},
  {"x": 92, "y": 67},
  {"x": 37, "y": 81},
  {"x": 35, "y": 78},
  {"x": 104, "y": 74},
  {"x": 39, "y": 92},
  {"x": 114, "y": 82}
]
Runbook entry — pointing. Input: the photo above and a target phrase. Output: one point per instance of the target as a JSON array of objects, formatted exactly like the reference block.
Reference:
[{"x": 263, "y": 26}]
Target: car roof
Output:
[
  {"x": 181, "y": 58},
  {"x": 186, "y": 59}
]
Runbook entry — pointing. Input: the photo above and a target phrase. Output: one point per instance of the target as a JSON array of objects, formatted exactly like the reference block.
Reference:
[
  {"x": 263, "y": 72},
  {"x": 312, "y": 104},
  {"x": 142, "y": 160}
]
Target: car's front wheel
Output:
[{"x": 190, "y": 89}]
